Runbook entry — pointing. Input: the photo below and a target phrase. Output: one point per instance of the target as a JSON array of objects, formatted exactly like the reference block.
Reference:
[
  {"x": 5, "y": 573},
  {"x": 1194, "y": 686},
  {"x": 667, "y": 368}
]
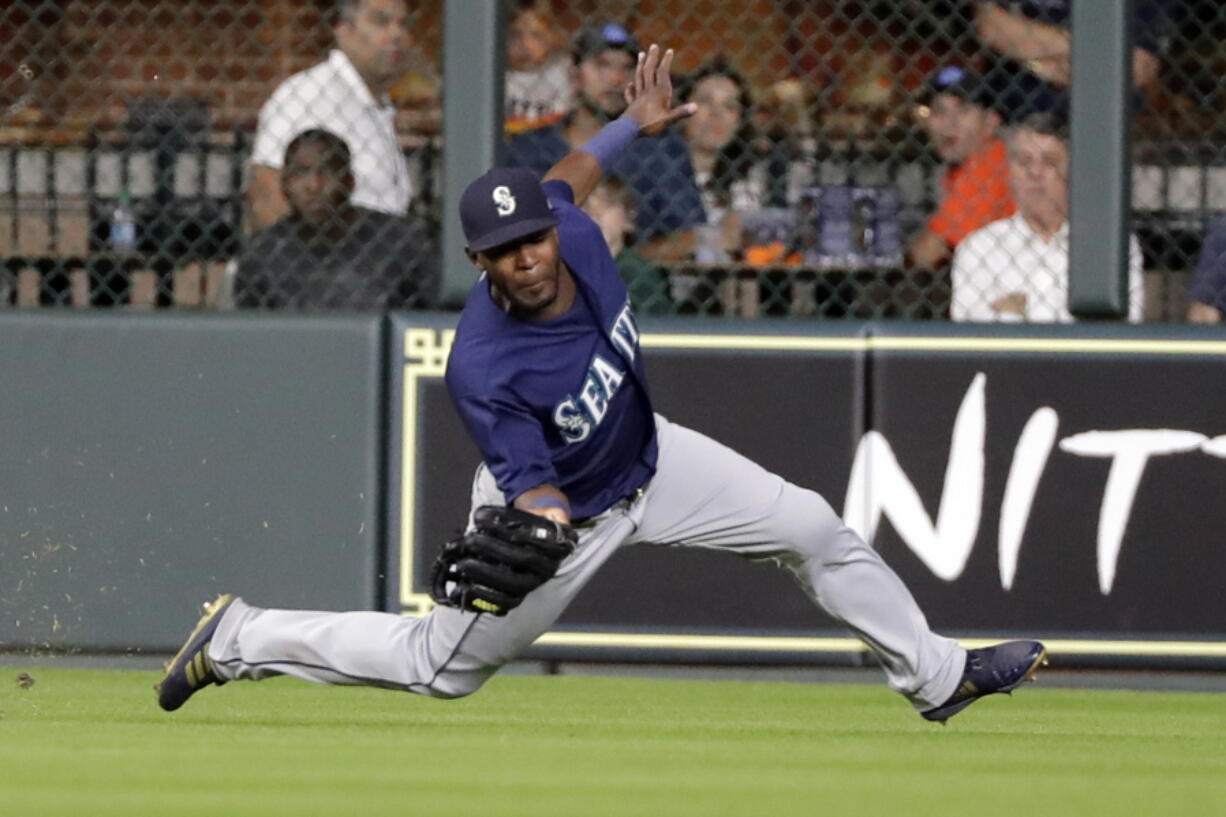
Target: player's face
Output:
[
  {"x": 525, "y": 272},
  {"x": 959, "y": 128},
  {"x": 1038, "y": 176},
  {"x": 719, "y": 113},
  {"x": 376, "y": 39},
  {"x": 602, "y": 80},
  {"x": 315, "y": 181}
]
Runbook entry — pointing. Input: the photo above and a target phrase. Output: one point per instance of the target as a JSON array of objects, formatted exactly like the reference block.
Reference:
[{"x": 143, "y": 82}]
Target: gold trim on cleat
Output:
[
  {"x": 210, "y": 611},
  {"x": 203, "y": 664},
  {"x": 1032, "y": 674}
]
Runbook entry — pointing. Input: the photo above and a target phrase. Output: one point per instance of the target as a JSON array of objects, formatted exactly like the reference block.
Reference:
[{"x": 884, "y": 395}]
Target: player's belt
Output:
[{"x": 620, "y": 505}]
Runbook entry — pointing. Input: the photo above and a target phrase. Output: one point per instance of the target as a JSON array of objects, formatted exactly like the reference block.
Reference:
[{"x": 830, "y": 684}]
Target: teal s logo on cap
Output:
[{"x": 503, "y": 200}]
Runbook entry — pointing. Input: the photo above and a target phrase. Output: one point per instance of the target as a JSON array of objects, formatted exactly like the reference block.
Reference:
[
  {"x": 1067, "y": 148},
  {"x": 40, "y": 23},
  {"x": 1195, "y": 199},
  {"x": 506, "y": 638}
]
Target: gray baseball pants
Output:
[{"x": 703, "y": 495}]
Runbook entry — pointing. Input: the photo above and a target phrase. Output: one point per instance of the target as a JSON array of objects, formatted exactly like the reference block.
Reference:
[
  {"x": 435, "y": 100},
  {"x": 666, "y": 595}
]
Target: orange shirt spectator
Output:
[
  {"x": 975, "y": 193},
  {"x": 962, "y": 124}
]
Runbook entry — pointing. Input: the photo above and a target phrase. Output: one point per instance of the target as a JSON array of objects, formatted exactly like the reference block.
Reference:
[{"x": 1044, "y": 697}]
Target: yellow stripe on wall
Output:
[
  {"x": 725, "y": 643},
  {"x": 802, "y": 343}
]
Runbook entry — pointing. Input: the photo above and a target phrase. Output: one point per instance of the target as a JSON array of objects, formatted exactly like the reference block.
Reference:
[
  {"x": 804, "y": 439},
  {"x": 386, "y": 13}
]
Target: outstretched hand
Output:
[{"x": 649, "y": 97}]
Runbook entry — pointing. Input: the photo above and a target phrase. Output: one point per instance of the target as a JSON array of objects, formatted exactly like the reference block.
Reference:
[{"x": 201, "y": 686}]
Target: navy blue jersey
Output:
[{"x": 561, "y": 402}]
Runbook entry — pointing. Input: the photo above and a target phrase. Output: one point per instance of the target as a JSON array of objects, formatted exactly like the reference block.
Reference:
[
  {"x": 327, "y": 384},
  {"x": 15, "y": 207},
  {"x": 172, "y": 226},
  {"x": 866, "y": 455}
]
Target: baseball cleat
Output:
[
  {"x": 1001, "y": 668},
  {"x": 191, "y": 669}
]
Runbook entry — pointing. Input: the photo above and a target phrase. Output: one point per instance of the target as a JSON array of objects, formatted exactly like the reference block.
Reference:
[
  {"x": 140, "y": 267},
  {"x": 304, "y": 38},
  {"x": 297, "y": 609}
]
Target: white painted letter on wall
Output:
[
  {"x": 1129, "y": 450},
  {"x": 879, "y": 486}
]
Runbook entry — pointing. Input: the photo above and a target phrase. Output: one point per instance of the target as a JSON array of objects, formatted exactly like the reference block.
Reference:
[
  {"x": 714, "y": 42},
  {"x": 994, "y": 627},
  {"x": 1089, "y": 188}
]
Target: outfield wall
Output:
[
  {"x": 1058, "y": 482},
  {"x": 149, "y": 461}
]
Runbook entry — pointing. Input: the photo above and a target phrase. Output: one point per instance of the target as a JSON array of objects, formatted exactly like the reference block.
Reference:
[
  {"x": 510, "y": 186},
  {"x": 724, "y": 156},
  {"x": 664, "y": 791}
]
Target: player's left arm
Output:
[
  {"x": 545, "y": 500},
  {"x": 511, "y": 442},
  {"x": 649, "y": 111}
]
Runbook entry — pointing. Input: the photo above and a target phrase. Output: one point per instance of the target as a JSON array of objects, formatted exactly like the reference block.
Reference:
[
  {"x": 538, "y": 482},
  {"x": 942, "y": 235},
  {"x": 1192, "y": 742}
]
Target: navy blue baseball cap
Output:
[{"x": 505, "y": 204}]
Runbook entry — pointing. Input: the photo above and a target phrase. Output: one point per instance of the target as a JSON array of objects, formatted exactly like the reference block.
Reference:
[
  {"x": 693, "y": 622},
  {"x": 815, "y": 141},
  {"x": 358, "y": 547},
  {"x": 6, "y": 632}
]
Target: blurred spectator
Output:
[
  {"x": 731, "y": 174},
  {"x": 1016, "y": 269},
  {"x": 329, "y": 253},
  {"x": 1207, "y": 294},
  {"x": 658, "y": 169},
  {"x": 788, "y": 117},
  {"x": 962, "y": 125},
  {"x": 1032, "y": 39},
  {"x": 611, "y": 206},
  {"x": 539, "y": 89},
  {"x": 345, "y": 94}
]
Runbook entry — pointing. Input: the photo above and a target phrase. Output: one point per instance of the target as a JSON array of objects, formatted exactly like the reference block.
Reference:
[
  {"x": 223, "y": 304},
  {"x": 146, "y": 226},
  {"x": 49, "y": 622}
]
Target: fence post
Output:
[
  {"x": 1100, "y": 178},
  {"x": 474, "y": 46}
]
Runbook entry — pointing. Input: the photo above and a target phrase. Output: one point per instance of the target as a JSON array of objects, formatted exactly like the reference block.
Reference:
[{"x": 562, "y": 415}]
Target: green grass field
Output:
[{"x": 93, "y": 742}]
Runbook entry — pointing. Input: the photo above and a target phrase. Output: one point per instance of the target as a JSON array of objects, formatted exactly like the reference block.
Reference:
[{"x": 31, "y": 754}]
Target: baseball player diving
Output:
[{"x": 547, "y": 374}]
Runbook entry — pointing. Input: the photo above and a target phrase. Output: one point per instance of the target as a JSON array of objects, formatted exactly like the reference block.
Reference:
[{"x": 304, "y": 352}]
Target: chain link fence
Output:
[
  {"x": 142, "y": 146},
  {"x": 901, "y": 159}
]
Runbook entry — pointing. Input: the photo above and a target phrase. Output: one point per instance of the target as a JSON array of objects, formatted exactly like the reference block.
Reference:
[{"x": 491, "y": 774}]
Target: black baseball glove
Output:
[{"x": 508, "y": 554}]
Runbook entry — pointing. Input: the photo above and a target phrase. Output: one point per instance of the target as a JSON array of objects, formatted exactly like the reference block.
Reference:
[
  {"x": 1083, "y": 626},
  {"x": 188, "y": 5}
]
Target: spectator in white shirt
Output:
[
  {"x": 345, "y": 94},
  {"x": 1016, "y": 269}
]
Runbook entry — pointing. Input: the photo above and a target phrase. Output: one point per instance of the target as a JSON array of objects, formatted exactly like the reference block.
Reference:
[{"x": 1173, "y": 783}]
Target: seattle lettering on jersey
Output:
[
  {"x": 577, "y": 417},
  {"x": 625, "y": 332}
]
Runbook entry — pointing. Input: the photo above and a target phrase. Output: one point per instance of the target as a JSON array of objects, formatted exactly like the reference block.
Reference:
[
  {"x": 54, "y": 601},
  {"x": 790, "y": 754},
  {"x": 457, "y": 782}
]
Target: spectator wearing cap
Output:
[
  {"x": 1016, "y": 269},
  {"x": 344, "y": 94},
  {"x": 963, "y": 127},
  {"x": 657, "y": 169},
  {"x": 1207, "y": 295}
]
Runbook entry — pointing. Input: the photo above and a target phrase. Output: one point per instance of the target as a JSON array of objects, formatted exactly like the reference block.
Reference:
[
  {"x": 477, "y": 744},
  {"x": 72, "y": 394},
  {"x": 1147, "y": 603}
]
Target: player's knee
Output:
[
  {"x": 812, "y": 527},
  {"x": 803, "y": 513}
]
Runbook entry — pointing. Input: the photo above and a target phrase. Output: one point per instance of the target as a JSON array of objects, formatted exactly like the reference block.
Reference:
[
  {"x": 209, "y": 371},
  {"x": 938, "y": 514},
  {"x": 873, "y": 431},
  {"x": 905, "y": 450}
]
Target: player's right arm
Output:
[{"x": 649, "y": 111}]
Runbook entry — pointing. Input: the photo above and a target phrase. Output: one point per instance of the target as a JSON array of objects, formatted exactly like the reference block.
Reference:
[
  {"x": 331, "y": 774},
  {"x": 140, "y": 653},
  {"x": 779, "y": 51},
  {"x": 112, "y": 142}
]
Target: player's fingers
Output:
[
  {"x": 681, "y": 112},
  {"x": 664, "y": 78},
  {"x": 640, "y": 74},
  {"x": 664, "y": 81},
  {"x": 650, "y": 61}
]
